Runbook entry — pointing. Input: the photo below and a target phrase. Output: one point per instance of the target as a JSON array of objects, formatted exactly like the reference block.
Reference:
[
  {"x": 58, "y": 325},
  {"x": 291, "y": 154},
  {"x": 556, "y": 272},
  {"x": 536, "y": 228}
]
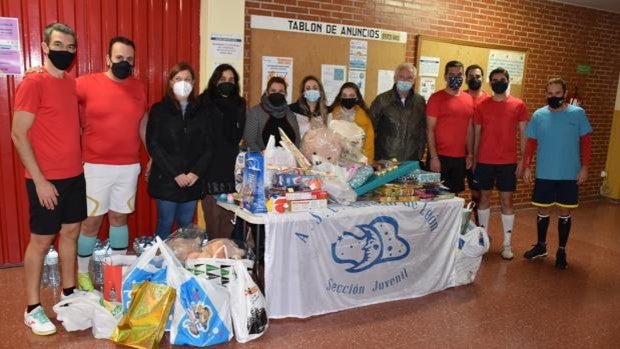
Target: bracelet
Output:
[{"x": 434, "y": 157}]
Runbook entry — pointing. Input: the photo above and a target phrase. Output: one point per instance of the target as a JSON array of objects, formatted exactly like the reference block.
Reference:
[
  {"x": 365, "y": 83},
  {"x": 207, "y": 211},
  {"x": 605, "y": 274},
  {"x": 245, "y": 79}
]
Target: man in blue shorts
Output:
[{"x": 560, "y": 134}]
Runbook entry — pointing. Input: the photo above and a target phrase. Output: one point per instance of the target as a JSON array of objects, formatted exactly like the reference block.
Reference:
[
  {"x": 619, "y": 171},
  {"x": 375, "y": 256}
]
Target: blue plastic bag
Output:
[{"x": 253, "y": 187}]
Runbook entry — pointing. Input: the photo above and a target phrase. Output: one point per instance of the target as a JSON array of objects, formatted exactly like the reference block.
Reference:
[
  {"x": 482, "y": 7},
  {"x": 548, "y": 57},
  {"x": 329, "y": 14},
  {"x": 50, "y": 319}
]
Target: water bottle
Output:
[
  {"x": 44, "y": 274},
  {"x": 53, "y": 272}
]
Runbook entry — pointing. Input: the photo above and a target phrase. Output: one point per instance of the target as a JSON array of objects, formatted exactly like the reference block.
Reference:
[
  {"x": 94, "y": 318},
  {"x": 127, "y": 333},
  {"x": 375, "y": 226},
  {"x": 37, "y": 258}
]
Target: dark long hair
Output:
[
  {"x": 322, "y": 106},
  {"x": 179, "y": 67},
  {"x": 215, "y": 78},
  {"x": 360, "y": 98}
]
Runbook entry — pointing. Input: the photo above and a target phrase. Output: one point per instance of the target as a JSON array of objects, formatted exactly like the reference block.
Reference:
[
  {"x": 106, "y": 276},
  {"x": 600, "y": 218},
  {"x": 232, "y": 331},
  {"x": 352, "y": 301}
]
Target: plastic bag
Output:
[
  {"x": 248, "y": 306},
  {"x": 471, "y": 246},
  {"x": 86, "y": 310},
  {"x": 201, "y": 314},
  {"x": 217, "y": 270},
  {"x": 467, "y": 210},
  {"x": 144, "y": 324},
  {"x": 148, "y": 267}
]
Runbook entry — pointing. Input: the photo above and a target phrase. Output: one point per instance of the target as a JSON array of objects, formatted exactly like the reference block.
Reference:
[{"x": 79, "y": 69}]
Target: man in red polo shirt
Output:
[
  {"x": 46, "y": 134},
  {"x": 113, "y": 120},
  {"x": 498, "y": 120},
  {"x": 449, "y": 115},
  {"x": 474, "y": 74}
]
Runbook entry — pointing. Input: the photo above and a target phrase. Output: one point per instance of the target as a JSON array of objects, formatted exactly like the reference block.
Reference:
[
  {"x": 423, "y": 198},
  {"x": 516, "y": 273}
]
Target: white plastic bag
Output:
[
  {"x": 85, "y": 310},
  {"x": 276, "y": 158},
  {"x": 248, "y": 305},
  {"x": 201, "y": 313},
  {"x": 471, "y": 247}
]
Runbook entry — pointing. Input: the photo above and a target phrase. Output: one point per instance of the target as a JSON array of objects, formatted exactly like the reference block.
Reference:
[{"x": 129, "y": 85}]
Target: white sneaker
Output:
[
  {"x": 507, "y": 253},
  {"x": 38, "y": 322}
]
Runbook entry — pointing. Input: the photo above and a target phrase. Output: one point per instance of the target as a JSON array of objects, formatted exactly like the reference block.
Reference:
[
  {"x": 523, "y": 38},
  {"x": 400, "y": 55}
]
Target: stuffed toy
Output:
[
  {"x": 351, "y": 139},
  {"x": 320, "y": 145}
]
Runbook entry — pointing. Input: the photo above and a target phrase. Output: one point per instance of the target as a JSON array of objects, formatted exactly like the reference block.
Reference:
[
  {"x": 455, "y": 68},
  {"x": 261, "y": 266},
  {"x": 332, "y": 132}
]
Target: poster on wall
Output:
[
  {"x": 385, "y": 80},
  {"x": 332, "y": 77},
  {"x": 427, "y": 87},
  {"x": 358, "y": 77},
  {"x": 226, "y": 46},
  {"x": 278, "y": 66},
  {"x": 358, "y": 54},
  {"x": 429, "y": 66},
  {"x": 10, "y": 53},
  {"x": 510, "y": 60}
]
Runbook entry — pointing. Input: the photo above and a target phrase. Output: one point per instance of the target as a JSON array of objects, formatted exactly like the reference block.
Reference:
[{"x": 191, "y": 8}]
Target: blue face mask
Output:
[
  {"x": 404, "y": 86},
  {"x": 455, "y": 82},
  {"x": 312, "y": 95}
]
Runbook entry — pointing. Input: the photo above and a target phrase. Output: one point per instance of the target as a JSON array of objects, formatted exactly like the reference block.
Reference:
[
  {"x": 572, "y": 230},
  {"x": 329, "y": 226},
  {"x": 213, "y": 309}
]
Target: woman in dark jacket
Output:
[
  {"x": 225, "y": 110},
  {"x": 178, "y": 141}
]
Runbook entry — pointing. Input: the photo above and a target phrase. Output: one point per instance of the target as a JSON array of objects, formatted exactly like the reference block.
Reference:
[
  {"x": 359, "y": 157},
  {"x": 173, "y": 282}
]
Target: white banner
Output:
[
  {"x": 322, "y": 28},
  {"x": 350, "y": 256}
]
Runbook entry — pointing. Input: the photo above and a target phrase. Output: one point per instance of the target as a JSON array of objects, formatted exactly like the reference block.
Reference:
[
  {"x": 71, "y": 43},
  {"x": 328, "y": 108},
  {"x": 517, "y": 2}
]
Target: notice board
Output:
[
  {"x": 513, "y": 59},
  {"x": 310, "y": 50}
]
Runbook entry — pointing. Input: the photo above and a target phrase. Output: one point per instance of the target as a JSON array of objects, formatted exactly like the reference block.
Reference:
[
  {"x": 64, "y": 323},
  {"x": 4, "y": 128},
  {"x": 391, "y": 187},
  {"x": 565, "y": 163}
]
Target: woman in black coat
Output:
[
  {"x": 178, "y": 141},
  {"x": 225, "y": 110}
]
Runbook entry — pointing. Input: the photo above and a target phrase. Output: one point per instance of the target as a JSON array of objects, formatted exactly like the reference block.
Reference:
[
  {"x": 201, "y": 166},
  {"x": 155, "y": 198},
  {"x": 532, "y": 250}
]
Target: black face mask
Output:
[
  {"x": 348, "y": 102},
  {"x": 276, "y": 99},
  {"x": 474, "y": 84},
  {"x": 61, "y": 59},
  {"x": 226, "y": 88},
  {"x": 555, "y": 102},
  {"x": 122, "y": 69},
  {"x": 499, "y": 87}
]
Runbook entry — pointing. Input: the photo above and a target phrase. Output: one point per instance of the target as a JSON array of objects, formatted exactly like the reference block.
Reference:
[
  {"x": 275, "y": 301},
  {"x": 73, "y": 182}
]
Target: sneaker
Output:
[
  {"x": 38, "y": 322},
  {"x": 507, "y": 253},
  {"x": 539, "y": 250},
  {"x": 560, "y": 259},
  {"x": 84, "y": 282}
]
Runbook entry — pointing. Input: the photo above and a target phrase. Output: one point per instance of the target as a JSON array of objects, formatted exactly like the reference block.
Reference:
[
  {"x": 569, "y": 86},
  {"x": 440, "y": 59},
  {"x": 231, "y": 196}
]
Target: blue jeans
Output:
[{"x": 169, "y": 211}]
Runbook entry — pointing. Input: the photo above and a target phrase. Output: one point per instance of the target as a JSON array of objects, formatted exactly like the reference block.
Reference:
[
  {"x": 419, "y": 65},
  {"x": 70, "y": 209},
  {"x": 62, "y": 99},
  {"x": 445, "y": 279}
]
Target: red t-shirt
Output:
[
  {"x": 479, "y": 99},
  {"x": 500, "y": 126},
  {"x": 453, "y": 114},
  {"x": 55, "y": 132},
  {"x": 111, "y": 114}
]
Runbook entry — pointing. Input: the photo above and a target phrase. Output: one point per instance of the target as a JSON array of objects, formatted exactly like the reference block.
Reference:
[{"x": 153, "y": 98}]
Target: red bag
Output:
[{"x": 112, "y": 282}]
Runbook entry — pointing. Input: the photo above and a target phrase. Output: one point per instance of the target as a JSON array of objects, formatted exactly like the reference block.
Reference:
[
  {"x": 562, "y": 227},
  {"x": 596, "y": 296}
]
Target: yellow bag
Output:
[{"x": 144, "y": 324}]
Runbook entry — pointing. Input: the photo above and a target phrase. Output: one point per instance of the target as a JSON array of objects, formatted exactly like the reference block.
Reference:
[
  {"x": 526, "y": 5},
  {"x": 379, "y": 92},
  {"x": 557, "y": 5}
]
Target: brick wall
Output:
[{"x": 559, "y": 37}]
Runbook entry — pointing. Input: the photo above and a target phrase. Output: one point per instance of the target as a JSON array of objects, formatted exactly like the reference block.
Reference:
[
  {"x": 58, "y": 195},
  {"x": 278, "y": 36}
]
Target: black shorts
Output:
[
  {"x": 471, "y": 182},
  {"x": 71, "y": 206},
  {"x": 503, "y": 177},
  {"x": 453, "y": 173},
  {"x": 548, "y": 192}
]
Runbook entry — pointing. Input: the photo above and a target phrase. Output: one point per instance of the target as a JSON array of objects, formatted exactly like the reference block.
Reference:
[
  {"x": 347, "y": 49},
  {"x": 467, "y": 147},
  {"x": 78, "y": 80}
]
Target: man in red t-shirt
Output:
[
  {"x": 113, "y": 105},
  {"x": 449, "y": 115},
  {"x": 46, "y": 134},
  {"x": 473, "y": 76},
  {"x": 498, "y": 120}
]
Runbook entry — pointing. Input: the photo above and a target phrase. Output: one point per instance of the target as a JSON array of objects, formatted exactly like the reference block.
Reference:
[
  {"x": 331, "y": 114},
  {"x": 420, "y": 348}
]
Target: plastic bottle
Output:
[
  {"x": 53, "y": 272},
  {"x": 605, "y": 189},
  {"x": 44, "y": 273}
]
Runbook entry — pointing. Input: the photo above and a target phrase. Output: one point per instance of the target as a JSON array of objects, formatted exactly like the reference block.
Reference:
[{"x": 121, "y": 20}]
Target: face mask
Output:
[
  {"x": 121, "y": 70},
  {"x": 348, "y": 103},
  {"x": 226, "y": 88},
  {"x": 276, "y": 99},
  {"x": 474, "y": 84},
  {"x": 312, "y": 95},
  {"x": 499, "y": 87},
  {"x": 61, "y": 59},
  {"x": 182, "y": 88},
  {"x": 455, "y": 82},
  {"x": 404, "y": 86},
  {"x": 555, "y": 102}
]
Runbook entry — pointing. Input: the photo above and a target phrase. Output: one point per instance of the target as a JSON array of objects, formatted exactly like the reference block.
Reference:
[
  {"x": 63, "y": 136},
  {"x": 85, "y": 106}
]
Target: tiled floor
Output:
[{"x": 516, "y": 304}]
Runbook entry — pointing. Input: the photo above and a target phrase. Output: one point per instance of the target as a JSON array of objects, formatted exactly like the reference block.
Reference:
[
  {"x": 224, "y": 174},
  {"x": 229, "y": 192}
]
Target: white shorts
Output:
[{"x": 110, "y": 188}]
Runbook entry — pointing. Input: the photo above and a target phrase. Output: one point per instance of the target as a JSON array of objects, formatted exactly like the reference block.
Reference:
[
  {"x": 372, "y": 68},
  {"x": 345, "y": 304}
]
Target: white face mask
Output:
[{"x": 182, "y": 88}]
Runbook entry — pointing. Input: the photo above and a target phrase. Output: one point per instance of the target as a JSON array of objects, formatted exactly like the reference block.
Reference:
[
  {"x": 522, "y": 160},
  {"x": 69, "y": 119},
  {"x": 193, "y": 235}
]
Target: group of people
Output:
[{"x": 83, "y": 165}]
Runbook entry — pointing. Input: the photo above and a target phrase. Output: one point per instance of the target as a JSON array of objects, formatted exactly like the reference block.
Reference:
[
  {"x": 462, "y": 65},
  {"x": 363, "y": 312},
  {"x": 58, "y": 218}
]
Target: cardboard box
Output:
[{"x": 307, "y": 205}]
